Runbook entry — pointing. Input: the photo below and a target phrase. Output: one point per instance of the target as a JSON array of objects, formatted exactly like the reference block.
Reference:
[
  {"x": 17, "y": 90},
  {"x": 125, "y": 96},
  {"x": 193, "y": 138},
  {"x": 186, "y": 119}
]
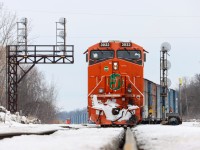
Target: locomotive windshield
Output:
[
  {"x": 100, "y": 55},
  {"x": 130, "y": 55}
]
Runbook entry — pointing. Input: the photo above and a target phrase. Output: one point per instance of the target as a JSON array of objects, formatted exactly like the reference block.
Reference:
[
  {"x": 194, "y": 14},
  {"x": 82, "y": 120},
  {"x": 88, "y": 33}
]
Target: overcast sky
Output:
[{"x": 145, "y": 22}]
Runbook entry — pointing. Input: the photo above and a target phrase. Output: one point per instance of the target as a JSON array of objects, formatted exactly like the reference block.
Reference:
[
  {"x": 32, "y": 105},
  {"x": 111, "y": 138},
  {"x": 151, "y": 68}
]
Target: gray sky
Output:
[{"x": 147, "y": 23}]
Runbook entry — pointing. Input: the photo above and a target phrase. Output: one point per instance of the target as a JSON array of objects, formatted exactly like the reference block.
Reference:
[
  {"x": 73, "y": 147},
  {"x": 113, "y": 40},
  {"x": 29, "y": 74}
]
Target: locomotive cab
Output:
[{"x": 115, "y": 83}]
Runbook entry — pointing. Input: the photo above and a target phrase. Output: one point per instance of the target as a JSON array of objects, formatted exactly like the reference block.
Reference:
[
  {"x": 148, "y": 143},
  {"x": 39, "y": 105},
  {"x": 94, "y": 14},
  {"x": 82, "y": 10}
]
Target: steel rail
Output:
[
  {"x": 130, "y": 143},
  {"x": 13, "y": 134}
]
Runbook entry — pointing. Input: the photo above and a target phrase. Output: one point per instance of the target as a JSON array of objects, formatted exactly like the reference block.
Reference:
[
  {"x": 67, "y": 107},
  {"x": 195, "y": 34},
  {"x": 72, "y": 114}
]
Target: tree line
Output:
[
  {"x": 190, "y": 97},
  {"x": 36, "y": 97}
]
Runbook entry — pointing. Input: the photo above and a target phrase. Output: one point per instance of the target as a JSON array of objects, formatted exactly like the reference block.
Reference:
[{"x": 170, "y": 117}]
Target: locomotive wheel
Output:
[{"x": 173, "y": 121}]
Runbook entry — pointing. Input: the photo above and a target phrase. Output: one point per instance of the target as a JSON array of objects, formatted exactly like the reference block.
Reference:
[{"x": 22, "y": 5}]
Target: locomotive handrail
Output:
[
  {"x": 135, "y": 86},
  {"x": 96, "y": 86}
]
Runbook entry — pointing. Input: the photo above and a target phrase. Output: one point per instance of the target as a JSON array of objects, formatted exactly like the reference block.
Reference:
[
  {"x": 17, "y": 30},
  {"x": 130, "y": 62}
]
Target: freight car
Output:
[
  {"x": 152, "y": 110},
  {"x": 117, "y": 91}
]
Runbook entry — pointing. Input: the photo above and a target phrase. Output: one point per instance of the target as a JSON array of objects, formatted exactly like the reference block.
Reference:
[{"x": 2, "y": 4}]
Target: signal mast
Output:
[{"x": 165, "y": 65}]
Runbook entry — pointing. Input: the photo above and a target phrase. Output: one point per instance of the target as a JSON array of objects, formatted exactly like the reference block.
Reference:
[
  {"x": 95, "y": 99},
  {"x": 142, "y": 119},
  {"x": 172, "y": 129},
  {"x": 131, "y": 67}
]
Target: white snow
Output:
[
  {"x": 165, "y": 137},
  {"x": 26, "y": 128},
  {"x": 92, "y": 137},
  {"x": 109, "y": 105},
  {"x": 7, "y": 118},
  {"x": 65, "y": 139}
]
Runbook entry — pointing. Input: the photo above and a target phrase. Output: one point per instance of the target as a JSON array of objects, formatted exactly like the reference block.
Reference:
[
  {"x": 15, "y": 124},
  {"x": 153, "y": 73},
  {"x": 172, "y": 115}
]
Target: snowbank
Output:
[
  {"x": 7, "y": 118},
  {"x": 165, "y": 137}
]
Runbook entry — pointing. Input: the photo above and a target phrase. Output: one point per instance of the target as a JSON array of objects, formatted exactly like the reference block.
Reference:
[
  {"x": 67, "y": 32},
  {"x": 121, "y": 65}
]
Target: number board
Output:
[
  {"x": 126, "y": 44},
  {"x": 104, "y": 44}
]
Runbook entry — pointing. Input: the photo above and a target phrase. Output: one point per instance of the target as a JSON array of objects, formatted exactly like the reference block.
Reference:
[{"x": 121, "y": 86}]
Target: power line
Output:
[
  {"x": 110, "y": 14},
  {"x": 150, "y": 37}
]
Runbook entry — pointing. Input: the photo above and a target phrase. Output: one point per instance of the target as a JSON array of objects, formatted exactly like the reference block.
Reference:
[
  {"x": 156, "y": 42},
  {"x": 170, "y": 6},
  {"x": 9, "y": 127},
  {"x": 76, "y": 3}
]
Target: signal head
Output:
[{"x": 165, "y": 47}]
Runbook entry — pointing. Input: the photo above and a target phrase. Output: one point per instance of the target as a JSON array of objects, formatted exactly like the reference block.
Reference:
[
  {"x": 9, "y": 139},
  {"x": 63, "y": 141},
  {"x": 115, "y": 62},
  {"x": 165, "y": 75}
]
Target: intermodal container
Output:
[
  {"x": 176, "y": 101},
  {"x": 154, "y": 100},
  {"x": 171, "y": 101},
  {"x": 159, "y": 103}
]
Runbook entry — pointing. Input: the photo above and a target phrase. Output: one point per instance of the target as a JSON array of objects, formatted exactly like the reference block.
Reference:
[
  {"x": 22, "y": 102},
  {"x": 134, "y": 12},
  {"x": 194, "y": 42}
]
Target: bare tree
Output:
[
  {"x": 7, "y": 24},
  {"x": 36, "y": 98},
  {"x": 191, "y": 97}
]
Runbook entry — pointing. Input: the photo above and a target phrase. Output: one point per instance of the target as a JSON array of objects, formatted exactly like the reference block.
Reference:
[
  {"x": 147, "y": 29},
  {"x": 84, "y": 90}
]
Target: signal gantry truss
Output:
[{"x": 17, "y": 55}]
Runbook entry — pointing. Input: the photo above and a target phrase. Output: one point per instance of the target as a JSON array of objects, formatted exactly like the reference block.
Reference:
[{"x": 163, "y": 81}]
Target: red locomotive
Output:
[{"x": 115, "y": 83}]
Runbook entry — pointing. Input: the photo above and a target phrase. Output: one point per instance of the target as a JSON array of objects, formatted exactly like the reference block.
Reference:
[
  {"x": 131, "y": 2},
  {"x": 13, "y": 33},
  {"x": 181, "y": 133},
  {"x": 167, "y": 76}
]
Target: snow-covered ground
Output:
[
  {"x": 74, "y": 138},
  {"x": 26, "y": 128},
  {"x": 19, "y": 133},
  {"x": 91, "y": 137},
  {"x": 165, "y": 137}
]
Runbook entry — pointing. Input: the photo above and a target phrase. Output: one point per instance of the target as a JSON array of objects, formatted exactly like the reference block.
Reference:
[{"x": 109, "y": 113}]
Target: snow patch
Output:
[
  {"x": 65, "y": 139},
  {"x": 7, "y": 118},
  {"x": 166, "y": 137},
  {"x": 109, "y": 105}
]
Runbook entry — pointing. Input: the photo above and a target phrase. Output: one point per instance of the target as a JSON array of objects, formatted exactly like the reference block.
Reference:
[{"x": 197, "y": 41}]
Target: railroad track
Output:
[
  {"x": 13, "y": 134},
  {"x": 130, "y": 142},
  {"x": 125, "y": 142},
  {"x": 42, "y": 132}
]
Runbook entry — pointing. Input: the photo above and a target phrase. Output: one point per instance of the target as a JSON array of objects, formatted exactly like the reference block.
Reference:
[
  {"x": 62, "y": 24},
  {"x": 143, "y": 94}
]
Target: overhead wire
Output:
[
  {"x": 144, "y": 37},
  {"x": 122, "y": 15},
  {"x": 110, "y": 14}
]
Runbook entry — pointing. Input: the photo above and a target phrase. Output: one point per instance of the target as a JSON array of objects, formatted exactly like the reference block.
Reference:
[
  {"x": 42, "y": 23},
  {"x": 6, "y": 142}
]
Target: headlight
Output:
[
  {"x": 101, "y": 90},
  {"x": 115, "y": 65},
  {"x": 129, "y": 90}
]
